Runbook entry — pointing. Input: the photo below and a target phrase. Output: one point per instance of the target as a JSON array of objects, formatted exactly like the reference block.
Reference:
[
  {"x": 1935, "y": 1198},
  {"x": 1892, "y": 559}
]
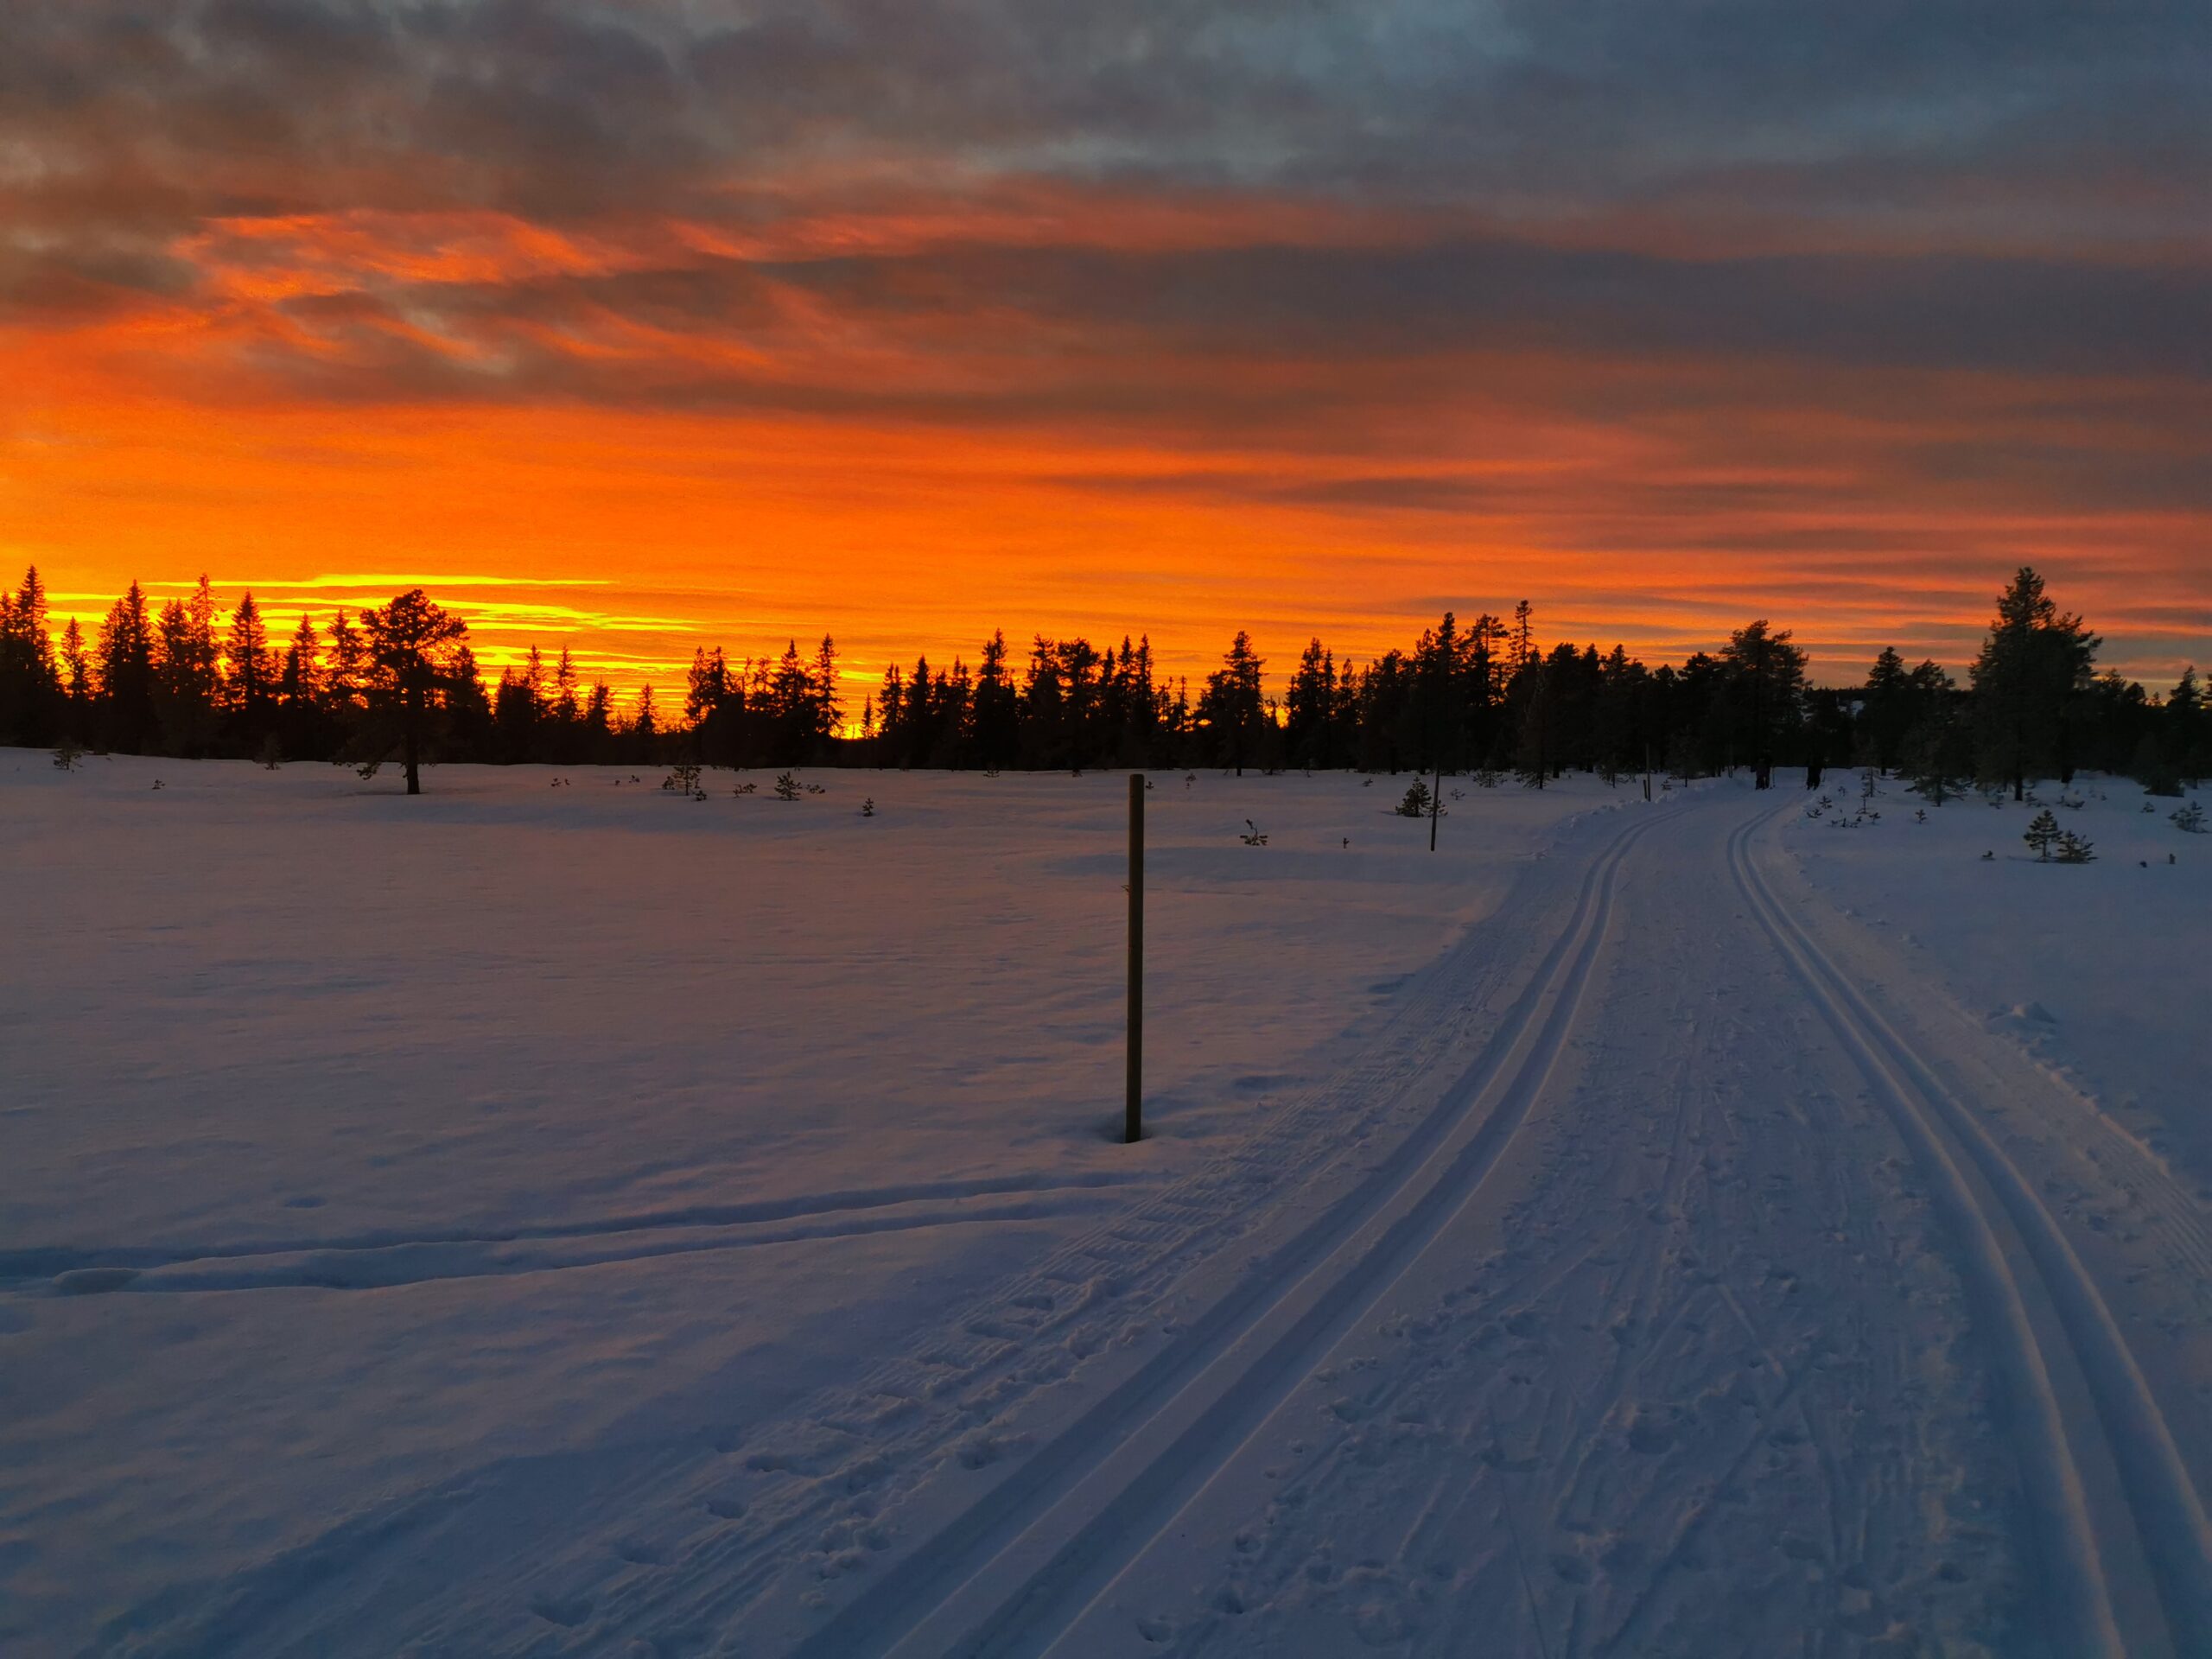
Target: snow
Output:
[
  {"x": 553, "y": 1216},
  {"x": 2093, "y": 968},
  {"x": 578, "y": 1113}
]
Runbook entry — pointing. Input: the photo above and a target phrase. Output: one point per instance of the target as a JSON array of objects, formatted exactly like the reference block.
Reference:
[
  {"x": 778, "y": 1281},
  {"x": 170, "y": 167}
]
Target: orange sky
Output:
[{"x": 911, "y": 395}]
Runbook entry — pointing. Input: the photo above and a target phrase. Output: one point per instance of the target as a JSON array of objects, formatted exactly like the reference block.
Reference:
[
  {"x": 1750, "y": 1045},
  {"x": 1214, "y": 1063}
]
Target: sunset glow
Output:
[{"x": 625, "y": 332}]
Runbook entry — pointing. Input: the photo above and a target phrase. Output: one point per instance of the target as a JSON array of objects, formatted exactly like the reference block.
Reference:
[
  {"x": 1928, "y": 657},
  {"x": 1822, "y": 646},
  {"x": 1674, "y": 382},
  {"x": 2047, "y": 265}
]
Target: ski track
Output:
[
  {"x": 728, "y": 1519},
  {"x": 393, "y": 1262},
  {"x": 1559, "y": 1406},
  {"x": 1512, "y": 1300},
  {"x": 2017, "y": 1248},
  {"x": 55, "y": 1262},
  {"x": 1177, "y": 1440}
]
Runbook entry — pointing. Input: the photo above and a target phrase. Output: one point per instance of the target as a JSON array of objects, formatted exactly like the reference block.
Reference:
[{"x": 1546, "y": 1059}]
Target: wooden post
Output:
[
  {"x": 1133, "y": 1106},
  {"x": 1435, "y": 805}
]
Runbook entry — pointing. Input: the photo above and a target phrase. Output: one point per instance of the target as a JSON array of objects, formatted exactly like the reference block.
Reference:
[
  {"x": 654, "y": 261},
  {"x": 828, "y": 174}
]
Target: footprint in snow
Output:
[{"x": 567, "y": 1611}]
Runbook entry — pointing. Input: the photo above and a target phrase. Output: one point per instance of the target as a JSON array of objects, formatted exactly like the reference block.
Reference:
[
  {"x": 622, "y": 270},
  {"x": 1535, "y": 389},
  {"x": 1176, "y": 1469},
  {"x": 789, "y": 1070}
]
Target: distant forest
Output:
[{"x": 399, "y": 682}]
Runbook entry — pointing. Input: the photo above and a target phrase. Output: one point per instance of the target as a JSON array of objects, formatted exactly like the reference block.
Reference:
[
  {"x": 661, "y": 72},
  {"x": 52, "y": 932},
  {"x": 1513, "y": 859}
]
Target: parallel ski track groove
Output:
[
  {"x": 2169, "y": 1516},
  {"x": 964, "y": 1554}
]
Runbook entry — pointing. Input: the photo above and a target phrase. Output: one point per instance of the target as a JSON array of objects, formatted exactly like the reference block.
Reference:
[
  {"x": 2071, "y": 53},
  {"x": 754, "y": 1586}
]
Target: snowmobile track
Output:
[
  {"x": 1014, "y": 1571},
  {"x": 2043, "y": 1307}
]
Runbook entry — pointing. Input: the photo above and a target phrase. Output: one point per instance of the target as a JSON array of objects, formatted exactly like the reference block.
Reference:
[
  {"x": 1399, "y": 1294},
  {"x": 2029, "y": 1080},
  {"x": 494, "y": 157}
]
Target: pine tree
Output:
[
  {"x": 347, "y": 674},
  {"x": 2188, "y": 731},
  {"x": 300, "y": 681},
  {"x": 564, "y": 688},
  {"x": 253, "y": 672},
  {"x": 76, "y": 672},
  {"x": 1933, "y": 761},
  {"x": 125, "y": 655},
  {"x": 409, "y": 646},
  {"x": 188, "y": 672},
  {"x": 829, "y": 709},
  {"x": 1766, "y": 688},
  {"x": 1232, "y": 707},
  {"x": 2075, "y": 849},
  {"x": 2027, "y": 680},
  {"x": 2042, "y": 833},
  {"x": 1890, "y": 713},
  {"x": 30, "y": 686}
]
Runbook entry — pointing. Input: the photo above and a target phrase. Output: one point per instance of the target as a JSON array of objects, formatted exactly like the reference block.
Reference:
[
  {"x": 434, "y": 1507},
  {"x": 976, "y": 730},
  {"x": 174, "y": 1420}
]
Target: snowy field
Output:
[{"x": 556, "y": 1216}]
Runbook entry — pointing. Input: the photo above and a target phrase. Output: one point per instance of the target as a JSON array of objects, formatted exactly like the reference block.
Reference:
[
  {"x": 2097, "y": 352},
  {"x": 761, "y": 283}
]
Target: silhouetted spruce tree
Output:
[
  {"x": 30, "y": 685},
  {"x": 1890, "y": 714},
  {"x": 1935, "y": 758},
  {"x": 411, "y": 648},
  {"x": 2028, "y": 679},
  {"x": 642, "y": 738},
  {"x": 2189, "y": 733},
  {"x": 707, "y": 693},
  {"x": 346, "y": 671},
  {"x": 187, "y": 672},
  {"x": 1533, "y": 737},
  {"x": 828, "y": 707},
  {"x": 76, "y": 679},
  {"x": 1309, "y": 707},
  {"x": 250, "y": 682},
  {"x": 1765, "y": 682},
  {"x": 124, "y": 654},
  {"x": 1231, "y": 709}
]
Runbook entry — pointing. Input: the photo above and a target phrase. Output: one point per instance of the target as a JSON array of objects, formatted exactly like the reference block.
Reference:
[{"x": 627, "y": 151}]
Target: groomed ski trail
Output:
[
  {"x": 2117, "y": 1508},
  {"x": 997, "y": 1581}
]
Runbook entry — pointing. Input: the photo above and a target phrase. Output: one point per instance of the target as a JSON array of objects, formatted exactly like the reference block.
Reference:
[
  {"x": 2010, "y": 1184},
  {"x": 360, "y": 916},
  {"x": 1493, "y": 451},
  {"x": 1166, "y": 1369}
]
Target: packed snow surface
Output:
[{"x": 557, "y": 1216}]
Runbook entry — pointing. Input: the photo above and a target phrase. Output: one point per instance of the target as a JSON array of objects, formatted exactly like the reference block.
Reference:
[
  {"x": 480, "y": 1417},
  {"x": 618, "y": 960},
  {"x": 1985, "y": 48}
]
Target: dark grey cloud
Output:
[{"x": 1803, "y": 109}]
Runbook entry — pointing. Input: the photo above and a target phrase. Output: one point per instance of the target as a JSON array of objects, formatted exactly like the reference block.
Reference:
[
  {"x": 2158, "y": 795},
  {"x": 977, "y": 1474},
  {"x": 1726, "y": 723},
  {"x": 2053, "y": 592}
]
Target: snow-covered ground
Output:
[
  {"x": 523, "y": 1120},
  {"x": 562, "y": 1217},
  {"x": 2103, "y": 970}
]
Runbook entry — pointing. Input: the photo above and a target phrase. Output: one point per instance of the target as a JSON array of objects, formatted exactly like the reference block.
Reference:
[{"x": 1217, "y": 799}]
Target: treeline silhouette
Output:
[{"x": 399, "y": 682}]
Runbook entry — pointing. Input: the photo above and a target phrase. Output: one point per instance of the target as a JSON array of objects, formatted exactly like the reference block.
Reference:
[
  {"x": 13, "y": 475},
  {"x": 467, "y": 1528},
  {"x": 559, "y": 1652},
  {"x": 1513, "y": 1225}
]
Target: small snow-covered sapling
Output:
[
  {"x": 2190, "y": 818},
  {"x": 868, "y": 807},
  {"x": 786, "y": 787},
  {"x": 682, "y": 781},
  {"x": 2042, "y": 834},
  {"x": 2074, "y": 849},
  {"x": 67, "y": 754},
  {"x": 1252, "y": 837}
]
